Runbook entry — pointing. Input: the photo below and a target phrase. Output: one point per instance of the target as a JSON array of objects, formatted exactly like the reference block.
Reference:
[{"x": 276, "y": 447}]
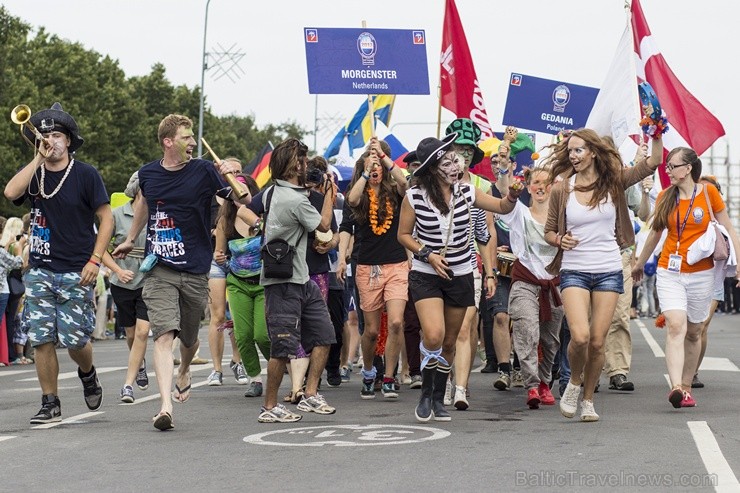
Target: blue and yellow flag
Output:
[{"x": 358, "y": 129}]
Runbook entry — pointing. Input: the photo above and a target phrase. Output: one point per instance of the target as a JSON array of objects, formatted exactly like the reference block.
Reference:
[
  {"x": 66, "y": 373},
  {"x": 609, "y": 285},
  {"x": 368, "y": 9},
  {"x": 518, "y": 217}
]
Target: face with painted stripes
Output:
[{"x": 450, "y": 167}]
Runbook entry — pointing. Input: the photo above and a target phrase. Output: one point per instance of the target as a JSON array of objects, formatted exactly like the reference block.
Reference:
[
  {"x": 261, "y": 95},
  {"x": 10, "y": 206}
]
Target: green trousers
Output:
[{"x": 247, "y": 306}]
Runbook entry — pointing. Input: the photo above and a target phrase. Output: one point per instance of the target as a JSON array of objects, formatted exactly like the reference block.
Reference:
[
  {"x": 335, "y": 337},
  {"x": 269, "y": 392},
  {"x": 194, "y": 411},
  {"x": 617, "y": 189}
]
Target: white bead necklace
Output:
[{"x": 59, "y": 187}]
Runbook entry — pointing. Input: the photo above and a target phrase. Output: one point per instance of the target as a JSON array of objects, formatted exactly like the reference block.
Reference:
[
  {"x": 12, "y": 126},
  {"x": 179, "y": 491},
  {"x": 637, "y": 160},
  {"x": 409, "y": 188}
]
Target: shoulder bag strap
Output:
[{"x": 267, "y": 209}]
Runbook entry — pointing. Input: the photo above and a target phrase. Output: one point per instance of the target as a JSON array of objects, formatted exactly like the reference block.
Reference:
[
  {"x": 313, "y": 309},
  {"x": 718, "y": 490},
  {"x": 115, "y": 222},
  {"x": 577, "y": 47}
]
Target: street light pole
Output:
[{"x": 203, "y": 68}]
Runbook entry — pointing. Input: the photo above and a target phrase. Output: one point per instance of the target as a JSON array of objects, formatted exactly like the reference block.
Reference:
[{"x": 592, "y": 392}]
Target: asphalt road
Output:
[{"x": 640, "y": 444}]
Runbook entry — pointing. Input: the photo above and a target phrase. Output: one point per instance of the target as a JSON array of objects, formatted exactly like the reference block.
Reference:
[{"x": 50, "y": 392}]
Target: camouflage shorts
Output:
[{"x": 57, "y": 309}]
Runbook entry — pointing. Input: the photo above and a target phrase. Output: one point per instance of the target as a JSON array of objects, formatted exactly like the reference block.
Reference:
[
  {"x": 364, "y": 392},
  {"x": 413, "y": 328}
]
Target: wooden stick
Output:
[{"x": 236, "y": 186}]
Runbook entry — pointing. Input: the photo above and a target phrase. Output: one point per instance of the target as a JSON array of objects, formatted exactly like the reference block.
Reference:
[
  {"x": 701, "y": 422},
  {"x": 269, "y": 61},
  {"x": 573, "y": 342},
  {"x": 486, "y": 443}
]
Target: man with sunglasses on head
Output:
[{"x": 295, "y": 310}]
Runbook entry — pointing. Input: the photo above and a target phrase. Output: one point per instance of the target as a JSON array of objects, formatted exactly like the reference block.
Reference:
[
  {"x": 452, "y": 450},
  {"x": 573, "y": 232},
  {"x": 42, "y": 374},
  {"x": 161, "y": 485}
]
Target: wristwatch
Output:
[{"x": 495, "y": 275}]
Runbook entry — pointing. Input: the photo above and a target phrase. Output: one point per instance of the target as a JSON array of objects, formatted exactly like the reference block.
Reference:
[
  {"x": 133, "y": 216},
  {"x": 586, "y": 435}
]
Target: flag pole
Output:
[
  {"x": 370, "y": 106},
  {"x": 439, "y": 110}
]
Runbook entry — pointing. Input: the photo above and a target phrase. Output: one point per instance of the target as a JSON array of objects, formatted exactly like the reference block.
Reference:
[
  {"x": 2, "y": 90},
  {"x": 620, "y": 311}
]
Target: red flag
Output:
[
  {"x": 459, "y": 89},
  {"x": 692, "y": 124}
]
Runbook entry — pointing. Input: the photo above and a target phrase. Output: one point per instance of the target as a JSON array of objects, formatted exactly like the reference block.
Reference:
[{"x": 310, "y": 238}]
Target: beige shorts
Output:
[
  {"x": 175, "y": 301},
  {"x": 378, "y": 284}
]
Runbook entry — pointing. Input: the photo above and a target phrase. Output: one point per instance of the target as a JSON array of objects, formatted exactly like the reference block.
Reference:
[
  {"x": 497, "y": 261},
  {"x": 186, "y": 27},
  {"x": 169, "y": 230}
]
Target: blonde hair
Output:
[
  {"x": 169, "y": 125},
  {"x": 13, "y": 228}
]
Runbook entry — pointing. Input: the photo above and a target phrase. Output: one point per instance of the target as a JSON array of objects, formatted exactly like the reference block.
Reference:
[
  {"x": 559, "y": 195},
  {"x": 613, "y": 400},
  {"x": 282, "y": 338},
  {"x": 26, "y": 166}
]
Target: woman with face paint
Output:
[
  {"x": 436, "y": 225},
  {"x": 535, "y": 307},
  {"x": 589, "y": 222},
  {"x": 382, "y": 265},
  {"x": 684, "y": 290}
]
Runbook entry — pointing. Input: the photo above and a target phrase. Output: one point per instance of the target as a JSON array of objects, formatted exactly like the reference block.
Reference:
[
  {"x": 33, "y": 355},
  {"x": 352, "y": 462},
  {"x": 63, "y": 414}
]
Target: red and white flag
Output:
[
  {"x": 459, "y": 89},
  {"x": 691, "y": 123}
]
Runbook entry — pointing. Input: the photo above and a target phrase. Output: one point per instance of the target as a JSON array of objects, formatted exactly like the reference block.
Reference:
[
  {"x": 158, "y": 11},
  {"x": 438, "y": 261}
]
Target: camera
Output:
[{"x": 314, "y": 175}]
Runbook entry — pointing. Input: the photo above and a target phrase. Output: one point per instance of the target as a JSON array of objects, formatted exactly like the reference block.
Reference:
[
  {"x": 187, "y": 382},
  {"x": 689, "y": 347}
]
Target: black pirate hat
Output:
[{"x": 56, "y": 119}]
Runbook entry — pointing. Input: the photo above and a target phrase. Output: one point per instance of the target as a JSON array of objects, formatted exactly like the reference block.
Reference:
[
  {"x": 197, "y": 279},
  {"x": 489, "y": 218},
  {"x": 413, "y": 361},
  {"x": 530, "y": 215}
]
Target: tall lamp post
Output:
[{"x": 203, "y": 68}]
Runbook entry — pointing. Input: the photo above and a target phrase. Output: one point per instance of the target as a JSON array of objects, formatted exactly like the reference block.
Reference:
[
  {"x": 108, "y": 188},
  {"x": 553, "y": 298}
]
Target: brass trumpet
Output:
[
  {"x": 21, "y": 116},
  {"x": 237, "y": 187}
]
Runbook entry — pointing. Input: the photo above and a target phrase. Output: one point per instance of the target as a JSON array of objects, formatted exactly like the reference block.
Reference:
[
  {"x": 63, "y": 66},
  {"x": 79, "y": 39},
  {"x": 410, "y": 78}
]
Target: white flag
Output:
[{"x": 616, "y": 111}]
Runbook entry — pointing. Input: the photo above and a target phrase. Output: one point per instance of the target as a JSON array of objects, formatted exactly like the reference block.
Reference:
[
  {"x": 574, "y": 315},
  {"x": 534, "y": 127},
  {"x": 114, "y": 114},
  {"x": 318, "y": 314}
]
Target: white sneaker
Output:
[
  {"x": 587, "y": 411},
  {"x": 448, "y": 393},
  {"x": 461, "y": 401},
  {"x": 569, "y": 400},
  {"x": 215, "y": 378}
]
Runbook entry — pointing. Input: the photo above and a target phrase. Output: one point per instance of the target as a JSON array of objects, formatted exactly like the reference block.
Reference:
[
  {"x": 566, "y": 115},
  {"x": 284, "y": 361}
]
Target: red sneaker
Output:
[
  {"x": 688, "y": 400},
  {"x": 546, "y": 397},
  {"x": 533, "y": 398}
]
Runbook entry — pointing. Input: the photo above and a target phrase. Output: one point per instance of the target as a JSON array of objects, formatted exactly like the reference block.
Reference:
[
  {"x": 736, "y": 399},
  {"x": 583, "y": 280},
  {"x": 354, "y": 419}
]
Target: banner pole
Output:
[{"x": 370, "y": 106}]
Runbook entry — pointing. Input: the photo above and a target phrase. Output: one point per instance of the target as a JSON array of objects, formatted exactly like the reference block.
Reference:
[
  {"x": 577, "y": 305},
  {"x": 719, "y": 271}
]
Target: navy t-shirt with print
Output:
[
  {"x": 63, "y": 230},
  {"x": 318, "y": 263},
  {"x": 179, "y": 222}
]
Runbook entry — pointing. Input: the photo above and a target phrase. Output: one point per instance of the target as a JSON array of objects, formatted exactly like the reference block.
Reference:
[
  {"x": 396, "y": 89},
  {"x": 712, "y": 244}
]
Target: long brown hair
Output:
[
  {"x": 227, "y": 211},
  {"x": 667, "y": 202},
  {"x": 607, "y": 166},
  {"x": 361, "y": 212}
]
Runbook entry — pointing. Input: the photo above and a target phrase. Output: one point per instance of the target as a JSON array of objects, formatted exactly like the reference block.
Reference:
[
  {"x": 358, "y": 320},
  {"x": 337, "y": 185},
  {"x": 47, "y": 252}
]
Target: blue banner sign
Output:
[
  {"x": 366, "y": 61},
  {"x": 547, "y": 106}
]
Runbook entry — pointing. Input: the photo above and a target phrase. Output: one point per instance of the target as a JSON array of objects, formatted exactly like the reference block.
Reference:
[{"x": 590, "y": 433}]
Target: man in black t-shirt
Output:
[
  {"x": 66, "y": 197},
  {"x": 178, "y": 190}
]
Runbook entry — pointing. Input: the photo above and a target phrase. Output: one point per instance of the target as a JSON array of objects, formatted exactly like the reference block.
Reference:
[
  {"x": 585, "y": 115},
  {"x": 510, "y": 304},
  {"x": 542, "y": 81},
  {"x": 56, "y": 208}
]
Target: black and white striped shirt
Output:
[
  {"x": 432, "y": 228},
  {"x": 480, "y": 233}
]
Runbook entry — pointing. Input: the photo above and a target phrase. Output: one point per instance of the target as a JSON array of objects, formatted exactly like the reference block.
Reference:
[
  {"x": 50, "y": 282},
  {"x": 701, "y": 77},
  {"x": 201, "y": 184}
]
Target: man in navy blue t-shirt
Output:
[
  {"x": 177, "y": 213},
  {"x": 66, "y": 196}
]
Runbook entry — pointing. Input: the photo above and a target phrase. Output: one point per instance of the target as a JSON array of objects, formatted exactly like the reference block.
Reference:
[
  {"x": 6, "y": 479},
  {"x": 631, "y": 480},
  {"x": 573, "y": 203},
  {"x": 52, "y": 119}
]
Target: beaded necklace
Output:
[{"x": 59, "y": 187}]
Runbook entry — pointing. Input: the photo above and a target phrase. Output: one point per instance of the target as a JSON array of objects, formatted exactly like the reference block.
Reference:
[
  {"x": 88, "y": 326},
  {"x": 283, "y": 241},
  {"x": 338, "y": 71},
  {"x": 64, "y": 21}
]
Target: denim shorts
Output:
[
  {"x": 602, "y": 281},
  {"x": 499, "y": 302},
  {"x": 218, "y": 271}
]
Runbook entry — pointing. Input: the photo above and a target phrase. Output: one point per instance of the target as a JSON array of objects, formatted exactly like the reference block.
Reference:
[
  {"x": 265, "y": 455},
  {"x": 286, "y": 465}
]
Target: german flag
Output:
[{"x": 259, "y": 167}]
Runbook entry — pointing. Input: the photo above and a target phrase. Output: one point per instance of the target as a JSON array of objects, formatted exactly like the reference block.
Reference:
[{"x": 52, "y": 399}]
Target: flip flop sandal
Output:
[
  {"x": 179, "y": 392},
  {"x": 163, "y": 421}
]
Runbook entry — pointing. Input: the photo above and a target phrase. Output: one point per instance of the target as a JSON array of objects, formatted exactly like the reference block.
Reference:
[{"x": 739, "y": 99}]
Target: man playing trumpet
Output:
[{"x": 66, "y": 197}]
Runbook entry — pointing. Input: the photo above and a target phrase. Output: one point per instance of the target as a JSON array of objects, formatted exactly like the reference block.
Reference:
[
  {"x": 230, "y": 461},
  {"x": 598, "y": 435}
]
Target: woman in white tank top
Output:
[{"x": 589, "y": 221}]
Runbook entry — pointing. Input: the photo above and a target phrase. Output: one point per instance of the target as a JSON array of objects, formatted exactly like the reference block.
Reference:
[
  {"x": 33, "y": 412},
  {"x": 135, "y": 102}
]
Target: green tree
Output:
[{"x": 118, "y": 116}]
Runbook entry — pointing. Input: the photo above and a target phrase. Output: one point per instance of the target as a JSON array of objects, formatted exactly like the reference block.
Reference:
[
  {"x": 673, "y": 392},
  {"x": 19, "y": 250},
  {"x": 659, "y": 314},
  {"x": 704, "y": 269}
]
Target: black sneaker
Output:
[
  {"x": 368, "y": 388},
  {"x": 50, "y": 412},
  {"x": 142, "y": 379},
  {"x": 333, "y": 380},
  {"x": 91, "y": 389},
  {"x": 620, "y": 382},
  {"x": 490, "y": 367}
]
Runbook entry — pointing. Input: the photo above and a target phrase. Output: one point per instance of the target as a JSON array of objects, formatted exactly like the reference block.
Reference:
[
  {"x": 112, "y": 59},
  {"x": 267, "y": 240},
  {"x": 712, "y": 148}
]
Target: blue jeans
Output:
[{"x": 602, "y": 281}]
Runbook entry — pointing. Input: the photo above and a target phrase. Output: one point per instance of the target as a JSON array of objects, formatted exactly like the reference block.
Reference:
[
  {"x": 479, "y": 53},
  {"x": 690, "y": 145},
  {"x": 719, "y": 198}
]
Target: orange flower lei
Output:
[{"x": 374, "y": 206}]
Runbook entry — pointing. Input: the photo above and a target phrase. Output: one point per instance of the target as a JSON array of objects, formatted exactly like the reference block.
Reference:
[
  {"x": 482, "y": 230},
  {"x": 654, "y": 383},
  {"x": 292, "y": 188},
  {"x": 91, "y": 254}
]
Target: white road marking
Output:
[
  {"x": 71, "y": 419},
  {"x": 10, "y": 373},
  {"x": 718, "y": 364},
  {"x": 6, "y": 437},
  {"x": 157, "y": 395},
  {"x": 657, "y": 350},
  {"x": 711, "y": 455},
  {"x": 73, "y": 374}
]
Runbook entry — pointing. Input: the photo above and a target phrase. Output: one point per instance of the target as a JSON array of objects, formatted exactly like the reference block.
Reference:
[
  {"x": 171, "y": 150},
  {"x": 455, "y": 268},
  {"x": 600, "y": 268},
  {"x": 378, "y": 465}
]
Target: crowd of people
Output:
[{"x": 408, "y": 275}]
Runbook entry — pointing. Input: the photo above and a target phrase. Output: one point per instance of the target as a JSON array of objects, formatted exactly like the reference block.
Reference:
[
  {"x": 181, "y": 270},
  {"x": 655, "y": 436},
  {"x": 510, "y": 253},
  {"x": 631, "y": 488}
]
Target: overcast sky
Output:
[{"x": 568, "y": 40}]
